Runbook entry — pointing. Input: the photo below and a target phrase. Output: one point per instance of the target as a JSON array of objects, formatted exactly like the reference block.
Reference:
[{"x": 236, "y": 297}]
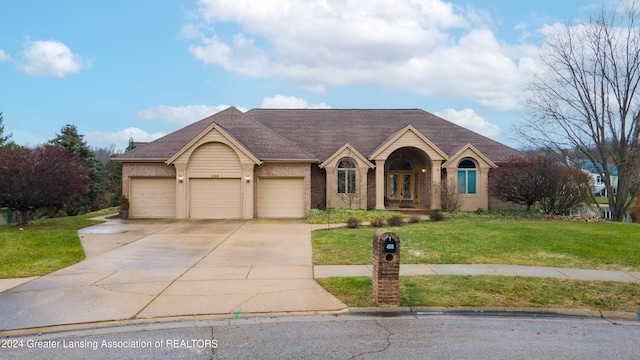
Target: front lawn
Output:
[
  {"x": 477, "y": 239},
  {"x": 336, "y": 216},
  {"x": 493, "y": 291},
  {"x": 43, "y": 246}
]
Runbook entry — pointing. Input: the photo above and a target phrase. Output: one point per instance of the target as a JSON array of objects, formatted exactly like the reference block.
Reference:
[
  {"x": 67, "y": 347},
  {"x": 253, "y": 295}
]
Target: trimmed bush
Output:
[
  {"x": 353, "y": 223},
  {"x": 413, "y": 219},
  {"x": 436, "y": 216},
  {"x": 377, "y": 222},
  {"x": 394, "y": 221}
]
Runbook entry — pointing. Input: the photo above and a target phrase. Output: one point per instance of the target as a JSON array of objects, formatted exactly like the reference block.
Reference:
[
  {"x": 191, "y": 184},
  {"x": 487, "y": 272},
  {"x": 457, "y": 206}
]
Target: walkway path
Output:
[{"x": 324, "y": 271}]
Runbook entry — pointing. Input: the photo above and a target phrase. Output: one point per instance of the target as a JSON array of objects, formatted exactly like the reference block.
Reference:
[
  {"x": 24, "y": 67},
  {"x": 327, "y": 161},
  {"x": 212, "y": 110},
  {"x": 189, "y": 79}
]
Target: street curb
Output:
[
  {"x": 373, "y": 312},
  {"x": 499, "y": 311}
]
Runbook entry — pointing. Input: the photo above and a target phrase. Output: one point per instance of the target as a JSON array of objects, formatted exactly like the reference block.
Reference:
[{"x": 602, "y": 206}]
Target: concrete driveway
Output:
[{"x": 165, "y": 268}]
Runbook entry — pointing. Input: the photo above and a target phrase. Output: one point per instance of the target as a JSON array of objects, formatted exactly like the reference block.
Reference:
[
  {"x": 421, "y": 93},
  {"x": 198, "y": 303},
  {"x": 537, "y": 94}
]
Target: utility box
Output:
[{"x": 386, "y": 268}]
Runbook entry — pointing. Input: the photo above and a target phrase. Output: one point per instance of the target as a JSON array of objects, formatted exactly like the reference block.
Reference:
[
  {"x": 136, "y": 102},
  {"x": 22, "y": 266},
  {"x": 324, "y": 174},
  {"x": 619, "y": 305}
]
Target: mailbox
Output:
[
  {"x": 390, "y": 244},
  {"x": 386, "y": 268}
]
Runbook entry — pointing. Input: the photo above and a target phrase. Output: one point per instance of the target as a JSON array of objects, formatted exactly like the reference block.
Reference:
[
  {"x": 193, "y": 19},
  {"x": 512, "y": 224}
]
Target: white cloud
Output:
[
  {"x": 4, "y": 56},
  {"x": 429, "y": 47},
  {"x": 471, "y": 120},
  {"x": 51, "y": 58},
  {"x": 290, "y": 102},
  {"x": 180, "y": 115},
  {"x": 120, "y": 138}
]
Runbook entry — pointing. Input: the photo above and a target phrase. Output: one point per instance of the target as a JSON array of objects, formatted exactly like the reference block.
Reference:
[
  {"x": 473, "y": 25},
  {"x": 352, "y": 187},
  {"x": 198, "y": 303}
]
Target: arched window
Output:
[
  {"x": 346, "y": 176},
  {"x": 401, "y": 165},
  {"x": 467, "y": 177}
]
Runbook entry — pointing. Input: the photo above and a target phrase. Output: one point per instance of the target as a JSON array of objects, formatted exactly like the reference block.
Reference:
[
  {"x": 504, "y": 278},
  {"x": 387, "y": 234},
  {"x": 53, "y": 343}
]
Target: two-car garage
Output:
[{"x": 215, "y": 198}]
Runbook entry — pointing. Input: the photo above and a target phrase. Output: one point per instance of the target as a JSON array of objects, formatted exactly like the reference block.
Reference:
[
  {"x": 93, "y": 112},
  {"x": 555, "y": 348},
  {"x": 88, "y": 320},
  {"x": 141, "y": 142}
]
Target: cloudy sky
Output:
[{"x": 118, "y": 69}]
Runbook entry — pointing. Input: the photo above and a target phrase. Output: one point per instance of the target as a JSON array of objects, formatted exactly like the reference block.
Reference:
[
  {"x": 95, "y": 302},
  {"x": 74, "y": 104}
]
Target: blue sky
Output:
[{"x": 118, "y": 69}]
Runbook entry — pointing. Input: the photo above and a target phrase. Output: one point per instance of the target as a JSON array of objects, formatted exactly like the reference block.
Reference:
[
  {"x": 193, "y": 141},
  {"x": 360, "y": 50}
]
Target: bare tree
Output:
[
  {"x": 584, "y": 96},
  {"x": 521, "y": 180}
]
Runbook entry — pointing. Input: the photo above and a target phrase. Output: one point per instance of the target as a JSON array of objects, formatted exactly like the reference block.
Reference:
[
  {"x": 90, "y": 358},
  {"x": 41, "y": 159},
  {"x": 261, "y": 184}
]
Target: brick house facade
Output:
[{"x": 282, "y": 163}]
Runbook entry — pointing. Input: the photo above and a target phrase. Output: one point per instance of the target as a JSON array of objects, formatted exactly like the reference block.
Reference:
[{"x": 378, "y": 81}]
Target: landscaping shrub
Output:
[
  {"x": 377, "y": 222},
  {"x": 436, "y": 216},
  {"x": 394, "y": 221},
  {"x": 353, "y": 223},
  {"x": 413, "y": 219}
]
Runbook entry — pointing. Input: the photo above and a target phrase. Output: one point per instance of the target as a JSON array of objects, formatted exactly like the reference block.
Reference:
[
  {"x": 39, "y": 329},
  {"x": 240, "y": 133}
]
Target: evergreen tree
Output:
[
  {"x": 96, "y": 197},
  {"x": 115, "y": 173},
  {"x": 4, "y": 139}
]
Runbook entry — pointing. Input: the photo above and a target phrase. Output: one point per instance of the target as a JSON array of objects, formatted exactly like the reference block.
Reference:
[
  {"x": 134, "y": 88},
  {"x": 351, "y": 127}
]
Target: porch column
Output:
[
  {"x": 379, "y": 184},
  {"x": 435, "y": 185},
  {"x": 247, "y": 191},
  {"x": 181, "y": 190}
]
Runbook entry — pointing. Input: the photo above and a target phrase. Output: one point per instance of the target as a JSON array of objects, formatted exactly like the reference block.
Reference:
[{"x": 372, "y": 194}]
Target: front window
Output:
[
  {"x": 467, "y": 177},
  {"x": 346, "y": 176}
]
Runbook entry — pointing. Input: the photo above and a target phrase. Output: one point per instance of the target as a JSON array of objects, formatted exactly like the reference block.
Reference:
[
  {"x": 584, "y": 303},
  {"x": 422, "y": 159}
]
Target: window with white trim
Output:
[
  {"x": 467, "y": 177},
  {"x": 346, "y": 176}
]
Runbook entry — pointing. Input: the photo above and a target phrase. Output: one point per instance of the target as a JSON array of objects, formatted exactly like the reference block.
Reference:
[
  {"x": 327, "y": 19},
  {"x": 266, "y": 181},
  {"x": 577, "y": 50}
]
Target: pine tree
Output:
[
  {"x": 4, "y": 139},
  {"x": 95, "y": 198}
]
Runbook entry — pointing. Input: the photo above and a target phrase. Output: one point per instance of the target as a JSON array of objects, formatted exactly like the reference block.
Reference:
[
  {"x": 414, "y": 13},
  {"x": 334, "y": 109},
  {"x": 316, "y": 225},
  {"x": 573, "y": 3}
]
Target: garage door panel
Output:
[
  {"x": 281, "y": 198},
  {"x": 152, "y": 198},
  {"x": 215, "y": 199}
]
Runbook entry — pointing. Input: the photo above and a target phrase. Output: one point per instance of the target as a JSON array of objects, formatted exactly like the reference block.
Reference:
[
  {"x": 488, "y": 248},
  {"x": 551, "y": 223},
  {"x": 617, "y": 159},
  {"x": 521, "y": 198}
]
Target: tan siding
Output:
[
  {"x": 153, "y": 198},
  {"x": 213, "y": 137},
  {"x": 409, "y": 139},
  {"x": 215, "y": 199},
  {"x": 281, "y": 198},
  {"x": 214, "y": 160}
]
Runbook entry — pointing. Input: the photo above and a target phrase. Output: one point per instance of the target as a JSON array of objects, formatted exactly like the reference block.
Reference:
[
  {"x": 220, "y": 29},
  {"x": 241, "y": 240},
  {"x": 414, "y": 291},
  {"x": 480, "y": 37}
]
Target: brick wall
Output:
[
  {"x": 371, "y": 189},
  {"x": 130, "y": 170},
  {"x": 283, "y": 170},
  {"x": 318, "y": 187}
]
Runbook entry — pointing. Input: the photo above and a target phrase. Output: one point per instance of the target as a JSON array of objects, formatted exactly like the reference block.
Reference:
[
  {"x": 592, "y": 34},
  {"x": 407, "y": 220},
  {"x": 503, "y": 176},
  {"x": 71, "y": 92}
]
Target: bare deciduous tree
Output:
[{"x": 584, "y": 97}]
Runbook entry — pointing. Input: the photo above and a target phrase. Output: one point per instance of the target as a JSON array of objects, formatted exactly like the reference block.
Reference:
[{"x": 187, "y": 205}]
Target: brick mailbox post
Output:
[{"x": 386, "y": 268}]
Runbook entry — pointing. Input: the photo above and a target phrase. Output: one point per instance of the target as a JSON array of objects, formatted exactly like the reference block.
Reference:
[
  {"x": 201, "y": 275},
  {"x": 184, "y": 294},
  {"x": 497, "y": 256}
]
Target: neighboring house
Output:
[
  {"x": 597, "y": 175},
  {"x": 281, "y": 163},
  {"x": 8, "y": 217}
]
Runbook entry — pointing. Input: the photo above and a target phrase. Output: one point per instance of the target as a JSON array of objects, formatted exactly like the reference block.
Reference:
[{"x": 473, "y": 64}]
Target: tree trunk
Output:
[{"x": 24, "y": 217}]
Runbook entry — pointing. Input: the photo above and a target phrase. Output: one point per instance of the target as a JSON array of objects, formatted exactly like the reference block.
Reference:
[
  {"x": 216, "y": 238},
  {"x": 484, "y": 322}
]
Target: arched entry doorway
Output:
[{"x": 401, "y": 180}]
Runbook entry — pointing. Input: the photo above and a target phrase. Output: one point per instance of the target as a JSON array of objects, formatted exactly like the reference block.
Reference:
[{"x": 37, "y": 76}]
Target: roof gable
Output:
[
  {"x": 469, "y": 151},
  {"x": 408, "y": 136},
  {"x": 347, "y": 150},
  {"x": 226, "y": 138}
]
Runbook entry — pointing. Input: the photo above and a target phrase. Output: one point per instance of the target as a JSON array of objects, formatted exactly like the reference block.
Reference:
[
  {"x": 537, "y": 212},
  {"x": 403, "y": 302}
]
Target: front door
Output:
[{"x": 400, "y": 186}]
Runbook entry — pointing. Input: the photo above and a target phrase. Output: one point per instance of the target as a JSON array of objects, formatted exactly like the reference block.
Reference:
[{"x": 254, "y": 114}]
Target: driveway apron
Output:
[{"x": 161, "y": 268}]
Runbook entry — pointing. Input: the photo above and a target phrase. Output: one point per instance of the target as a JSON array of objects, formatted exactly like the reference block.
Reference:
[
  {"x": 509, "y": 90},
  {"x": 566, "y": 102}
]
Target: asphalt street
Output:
[{"x": 345, "y": 336}]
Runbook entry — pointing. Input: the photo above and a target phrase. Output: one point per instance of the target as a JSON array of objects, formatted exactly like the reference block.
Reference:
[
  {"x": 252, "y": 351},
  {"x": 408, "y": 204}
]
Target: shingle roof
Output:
[
  {"x": 318, "y": 133},
  {"x": 324, "y": 131}
]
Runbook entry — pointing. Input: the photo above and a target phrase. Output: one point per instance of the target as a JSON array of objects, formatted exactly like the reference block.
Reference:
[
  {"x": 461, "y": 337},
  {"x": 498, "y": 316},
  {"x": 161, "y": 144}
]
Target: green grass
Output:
[
  {"x": 335, "y": 216},
  {"x": 494, "y": 291},
  {"x": 473, "y": 239},
  {"x": 43, "y": 246}
]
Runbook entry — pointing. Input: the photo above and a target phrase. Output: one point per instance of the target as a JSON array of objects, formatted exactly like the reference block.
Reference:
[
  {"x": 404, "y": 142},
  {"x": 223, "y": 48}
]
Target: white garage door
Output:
[
  {"x": 215, "y": 199},
  {"x": 152, "y": 198},
  {"x": 281, "y": 198}
]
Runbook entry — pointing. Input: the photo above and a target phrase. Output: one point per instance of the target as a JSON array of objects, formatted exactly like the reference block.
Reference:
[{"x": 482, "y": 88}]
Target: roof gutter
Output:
[
  {"x": 139, "y": 160},
  {"x": 291, "y": 161}
]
